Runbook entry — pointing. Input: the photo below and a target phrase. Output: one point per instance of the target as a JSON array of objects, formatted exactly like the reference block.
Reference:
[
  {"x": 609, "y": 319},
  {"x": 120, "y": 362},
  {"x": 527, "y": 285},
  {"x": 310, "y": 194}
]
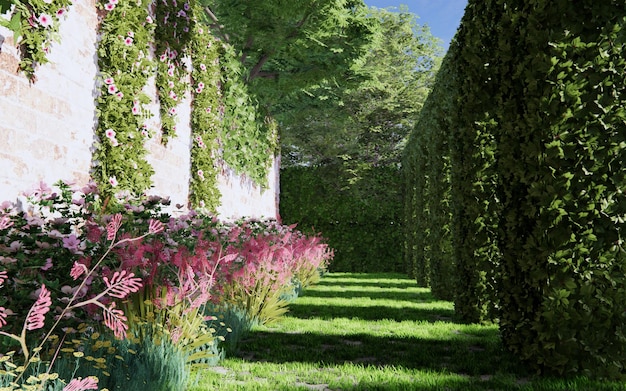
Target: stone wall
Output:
[{"x": 47, "y": 127}]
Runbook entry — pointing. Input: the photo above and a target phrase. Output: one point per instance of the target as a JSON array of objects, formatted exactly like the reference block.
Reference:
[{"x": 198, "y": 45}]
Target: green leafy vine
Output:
[
  {"x": 247, "y": 141},
  {"x": 35, "y": 25},
  {"x": 205, "y": 119},
  {"x": 119, "y": 161},
  {"x": 172, "y": 38}
]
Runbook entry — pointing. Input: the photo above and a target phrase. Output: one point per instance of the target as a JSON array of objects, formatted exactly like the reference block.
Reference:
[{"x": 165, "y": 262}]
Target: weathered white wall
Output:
[
  {"x": 242, "y": 197},
  {"x": 47, "y": 128}
]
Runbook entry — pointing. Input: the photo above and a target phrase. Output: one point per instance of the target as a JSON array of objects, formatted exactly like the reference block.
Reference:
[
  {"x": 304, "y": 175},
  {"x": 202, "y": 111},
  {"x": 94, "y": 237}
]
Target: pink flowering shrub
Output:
[
  {"x": 273, "y": 260},
  {"x": 56, "y": 250}
]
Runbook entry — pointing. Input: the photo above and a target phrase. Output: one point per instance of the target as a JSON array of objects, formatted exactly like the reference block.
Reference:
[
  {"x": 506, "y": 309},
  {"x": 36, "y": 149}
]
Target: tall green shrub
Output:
[
  {"x": 562, "y": 147},
  {"x": 470, "y": 89},
  {"x": 414, "y": 166},
  {"x": 362, "y": 221},
  {"x": 435, "y": 151}
]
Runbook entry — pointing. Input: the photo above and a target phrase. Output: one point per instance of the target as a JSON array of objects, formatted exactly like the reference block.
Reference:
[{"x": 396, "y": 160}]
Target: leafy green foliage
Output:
[
  {"x": 119, "y": 160},
  {"x": 362, "y": 222},
  {"x": 562, "y": 149},
  {"x": 366, "y": 117},
  {"x": 172, "y": 42},
  {"x": 247, "y": 140},
  {"x": 533, "y": 106},
  {"x": 286, "y": 46},
  {"x": 35, "y": 26},
  {"x": 205, "y": 120}
]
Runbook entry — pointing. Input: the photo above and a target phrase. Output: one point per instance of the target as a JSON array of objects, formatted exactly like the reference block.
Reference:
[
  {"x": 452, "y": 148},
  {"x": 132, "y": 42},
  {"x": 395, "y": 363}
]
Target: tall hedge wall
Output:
[
  {"x": 535, "y": 115},
  {"x": 363, "y": 221}
]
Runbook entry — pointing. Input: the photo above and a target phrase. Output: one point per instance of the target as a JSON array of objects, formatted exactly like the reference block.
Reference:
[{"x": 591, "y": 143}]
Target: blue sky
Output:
[{"x": 442, "y": 16}]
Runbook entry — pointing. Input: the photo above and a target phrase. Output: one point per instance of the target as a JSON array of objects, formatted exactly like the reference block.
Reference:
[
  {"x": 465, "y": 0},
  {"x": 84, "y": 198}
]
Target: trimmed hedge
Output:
[
  {"x": 362, "y": 221},
  {"x": 533, "y": 98}
]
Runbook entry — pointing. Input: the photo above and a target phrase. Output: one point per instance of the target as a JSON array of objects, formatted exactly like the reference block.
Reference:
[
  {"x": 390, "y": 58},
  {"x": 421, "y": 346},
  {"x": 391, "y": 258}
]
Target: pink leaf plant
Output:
[
  {"x": 88, "y": 383},
  {"x": 116, "y": 285}
]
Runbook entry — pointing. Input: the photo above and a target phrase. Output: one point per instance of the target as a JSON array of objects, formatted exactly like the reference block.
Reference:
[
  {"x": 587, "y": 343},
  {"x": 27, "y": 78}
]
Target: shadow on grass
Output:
[
  {"x": 395, "y": 295},
  {"x": 402, "y": 284},
  {"x": 464, "y": 354},
  {"x": 373, "y": 313}
]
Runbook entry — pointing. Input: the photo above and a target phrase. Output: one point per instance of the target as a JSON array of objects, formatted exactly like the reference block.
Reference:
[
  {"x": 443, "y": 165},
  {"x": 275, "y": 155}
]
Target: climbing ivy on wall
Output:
[
  {"x": 123, "y": 58},
  {"x": 227, "y": 128},
  {"x": 35, "y": 26},
  {"x": 172, "y": 43},
  {"x": 206, "y": 119},
  {"x": 247, "y": 140}
]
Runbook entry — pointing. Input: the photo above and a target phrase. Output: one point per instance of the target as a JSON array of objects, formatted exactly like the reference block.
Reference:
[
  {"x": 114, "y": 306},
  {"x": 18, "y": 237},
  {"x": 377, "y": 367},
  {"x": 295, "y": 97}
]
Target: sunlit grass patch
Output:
[{"x": 348, "y": 333}]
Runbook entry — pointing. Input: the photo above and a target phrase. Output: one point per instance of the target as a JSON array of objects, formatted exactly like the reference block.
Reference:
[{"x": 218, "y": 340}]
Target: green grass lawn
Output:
[{"x": 375, "y": 332}]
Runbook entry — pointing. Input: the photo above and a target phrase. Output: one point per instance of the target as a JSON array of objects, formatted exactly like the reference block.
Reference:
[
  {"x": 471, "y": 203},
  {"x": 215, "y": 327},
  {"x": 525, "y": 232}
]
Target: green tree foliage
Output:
[
  {"x": 286, "y": 46},
  {"x": 536, "y": 131},
  {"x": 367, "y": 118}
]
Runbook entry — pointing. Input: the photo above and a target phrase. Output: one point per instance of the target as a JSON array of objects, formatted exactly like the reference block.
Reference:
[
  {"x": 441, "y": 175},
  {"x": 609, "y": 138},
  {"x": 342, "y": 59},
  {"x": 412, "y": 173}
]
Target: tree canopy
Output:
[
  {"x": 368, "y": 122},
  {"x": 345, "y": 82},
  {"x": 287, "y": 46}
]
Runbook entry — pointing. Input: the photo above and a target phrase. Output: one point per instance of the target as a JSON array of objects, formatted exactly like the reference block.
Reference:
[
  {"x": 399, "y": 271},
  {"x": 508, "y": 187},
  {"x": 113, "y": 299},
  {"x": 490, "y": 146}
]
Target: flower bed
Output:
[{"x": 79, "y": 279}]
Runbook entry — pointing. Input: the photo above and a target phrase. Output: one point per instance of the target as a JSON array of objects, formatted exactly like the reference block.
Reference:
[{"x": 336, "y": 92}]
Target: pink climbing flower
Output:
[
  {"x": 131, "y": 34},
  {"x": 88, "y": 383},
  {"x": 119, "y": 94},
  {"x": 109, "y": 81},
  {"x": 48, "y": 265},
  {"x": 135, "y": 109},
  {"x": 45, "y": 20},
  {"x": 60, "y": 12},
  {"x": 114, "y": 2},
  {"x": 198, "y": 90},
  {"x": 110, "y": 133},
  {"x": 113, "y": 181},
  {"x": 202, "y": 67},
  {"x": 201, "y": 174},
  {"x": 128, "y": 41},
  {"x": 36, "y": 315},
  {"x": 149, "y": 19},
  {"x": 71, "y": 243},
  {"x": 112, "y": 89},
  {"x": 109, "y": 6},
  {"x": 173, "y": 111}
]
